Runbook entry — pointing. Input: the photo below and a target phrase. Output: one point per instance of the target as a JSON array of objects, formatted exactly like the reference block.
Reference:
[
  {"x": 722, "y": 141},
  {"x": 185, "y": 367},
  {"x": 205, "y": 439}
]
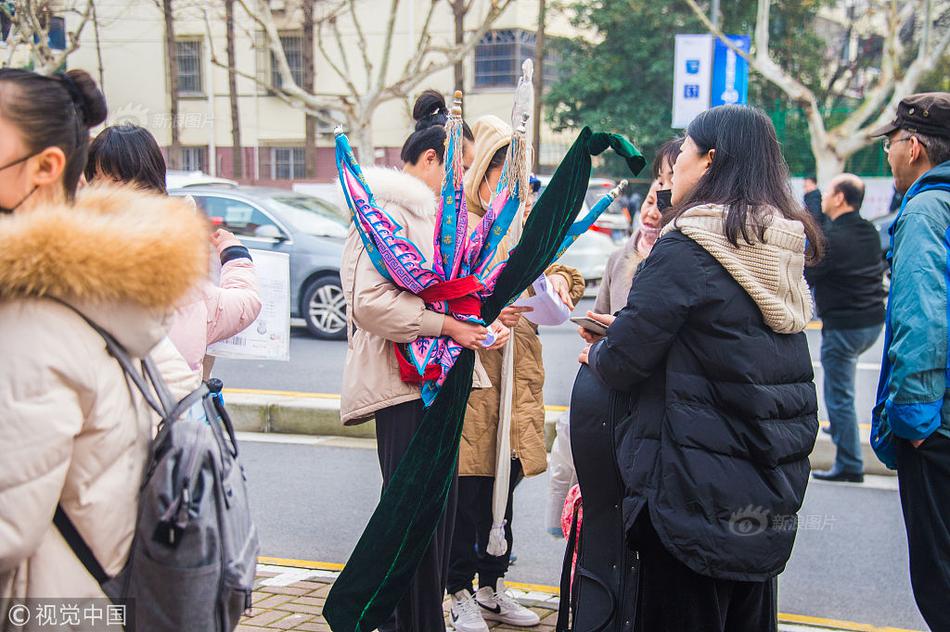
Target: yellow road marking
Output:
[
  {"x": 281, "y": 561},
  {"x": 554, "y": 590},
  {"x": 335, "y": 396},
  {"x": 259, "y": 391}
]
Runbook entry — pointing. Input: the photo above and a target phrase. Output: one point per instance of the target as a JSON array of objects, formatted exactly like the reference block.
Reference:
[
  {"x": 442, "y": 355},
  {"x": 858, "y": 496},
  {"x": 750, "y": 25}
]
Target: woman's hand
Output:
[
  {"x": 510, "y": 316},
  {"x": 469, "y": 335},
  {"x": 502, "y": 334},
  {"x": 562, "y": 289},
  {"x": 604, "y": 319},
  {"x": 585, "y": 352},
  {"x": 222, "y": 239}
]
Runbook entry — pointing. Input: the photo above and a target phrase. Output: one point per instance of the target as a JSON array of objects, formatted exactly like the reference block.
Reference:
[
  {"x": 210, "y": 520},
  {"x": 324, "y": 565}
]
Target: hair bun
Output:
[
  {"x": 87, "y": 96},
  {"x": 429, "y": 110}
]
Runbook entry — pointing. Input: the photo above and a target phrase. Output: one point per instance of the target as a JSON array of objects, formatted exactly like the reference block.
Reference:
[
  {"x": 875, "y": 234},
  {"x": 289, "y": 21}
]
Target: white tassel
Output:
[{"x": 497, "y": 544}]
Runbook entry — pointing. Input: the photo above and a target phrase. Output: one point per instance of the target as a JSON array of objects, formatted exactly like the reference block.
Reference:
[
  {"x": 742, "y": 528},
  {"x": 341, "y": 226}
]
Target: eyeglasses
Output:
[{"x": 888, "y": 142}]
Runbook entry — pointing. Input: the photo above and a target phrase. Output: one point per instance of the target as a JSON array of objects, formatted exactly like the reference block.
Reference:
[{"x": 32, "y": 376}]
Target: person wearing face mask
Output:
[
  {"x": 711, "y": 387},
  {"x": 380, "y": 314},
  {"x": 477, "y": 466},
  {"x": 211, "y": 312},
  {"x": 71, "y": 433}
]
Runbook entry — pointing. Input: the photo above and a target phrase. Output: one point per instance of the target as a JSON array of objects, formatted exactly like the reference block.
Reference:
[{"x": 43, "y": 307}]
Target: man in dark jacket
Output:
[
  {"x": 910, "y": 427},
  {"x": 849, "y": 291},
  {"x": 813, "y": 199}
]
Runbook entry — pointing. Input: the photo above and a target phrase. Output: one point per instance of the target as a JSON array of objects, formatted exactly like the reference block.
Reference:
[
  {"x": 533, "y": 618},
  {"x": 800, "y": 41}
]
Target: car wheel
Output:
[{"x": 324, "y": 309}]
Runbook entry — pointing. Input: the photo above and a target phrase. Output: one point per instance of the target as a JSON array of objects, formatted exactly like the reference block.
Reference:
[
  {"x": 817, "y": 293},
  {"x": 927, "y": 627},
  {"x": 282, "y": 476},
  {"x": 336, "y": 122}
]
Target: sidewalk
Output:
[
  {"x": 292, "y": 598},
  {"x": 319, "y": 414}
]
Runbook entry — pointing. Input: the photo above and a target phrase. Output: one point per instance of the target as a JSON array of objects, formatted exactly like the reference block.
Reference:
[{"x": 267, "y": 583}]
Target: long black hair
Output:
[
  {"x": 430, "y": 114},
  {"x": 54, "y": 111},
  {"x": 127, "y": 153},
  {"x": 748, "y": 175}
]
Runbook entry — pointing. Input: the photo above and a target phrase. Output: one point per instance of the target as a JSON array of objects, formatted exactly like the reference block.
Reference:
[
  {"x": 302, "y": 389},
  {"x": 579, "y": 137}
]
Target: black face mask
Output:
[
  {"x": 9, "y": 211},
  {"x": 664, "y": 199}
]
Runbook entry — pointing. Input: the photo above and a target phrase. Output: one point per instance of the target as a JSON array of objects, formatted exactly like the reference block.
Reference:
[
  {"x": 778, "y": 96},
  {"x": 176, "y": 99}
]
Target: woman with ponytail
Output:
[
  {"x": 71, "y": 434},
  {"x": 380, "y": 314}
]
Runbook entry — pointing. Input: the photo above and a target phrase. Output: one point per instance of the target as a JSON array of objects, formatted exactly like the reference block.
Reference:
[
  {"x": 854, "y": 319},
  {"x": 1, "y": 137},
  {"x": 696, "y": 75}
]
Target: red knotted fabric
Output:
[{"x": 460, "y": 296}]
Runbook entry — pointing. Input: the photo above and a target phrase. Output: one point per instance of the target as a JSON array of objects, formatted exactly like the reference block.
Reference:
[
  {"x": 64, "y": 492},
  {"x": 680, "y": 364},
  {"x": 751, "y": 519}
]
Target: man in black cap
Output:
[{"x": 911, "y": 421}]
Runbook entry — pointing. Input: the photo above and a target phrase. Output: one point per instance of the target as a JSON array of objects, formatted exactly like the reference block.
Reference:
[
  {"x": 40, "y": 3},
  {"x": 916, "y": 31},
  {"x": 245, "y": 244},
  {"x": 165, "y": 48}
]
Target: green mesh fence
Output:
[{"x": 791, "y": 127}]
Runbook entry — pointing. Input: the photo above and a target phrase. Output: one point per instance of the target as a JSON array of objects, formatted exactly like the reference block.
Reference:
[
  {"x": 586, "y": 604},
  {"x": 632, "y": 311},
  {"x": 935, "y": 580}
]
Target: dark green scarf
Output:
[{"x": 387, "y": 555}]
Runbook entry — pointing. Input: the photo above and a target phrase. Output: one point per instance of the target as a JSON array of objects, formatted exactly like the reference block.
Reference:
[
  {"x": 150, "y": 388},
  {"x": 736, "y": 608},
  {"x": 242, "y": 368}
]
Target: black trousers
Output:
[
  {"x": 473, "y": 519},
  {"x": 923, "y": 475},
  {"x": 673, "y": 598},
  {"x": 421, "y": 609}
]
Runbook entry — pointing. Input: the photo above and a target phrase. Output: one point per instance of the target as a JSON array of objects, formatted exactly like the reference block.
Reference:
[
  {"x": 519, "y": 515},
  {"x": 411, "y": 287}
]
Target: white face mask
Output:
[{"x": 485, "y": 204}]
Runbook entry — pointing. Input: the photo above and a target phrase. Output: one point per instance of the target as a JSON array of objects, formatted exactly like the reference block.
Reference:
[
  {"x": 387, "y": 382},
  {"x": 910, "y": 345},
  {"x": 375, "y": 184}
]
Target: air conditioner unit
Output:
[{"x": 278, "y": 5}]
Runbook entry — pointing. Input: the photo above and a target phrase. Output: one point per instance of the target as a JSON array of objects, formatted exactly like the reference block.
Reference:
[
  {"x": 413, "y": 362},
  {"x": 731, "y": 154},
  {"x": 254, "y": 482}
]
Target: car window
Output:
[
  {"x": 311, "y": 215},
  {"x": 239, "y": 217}
]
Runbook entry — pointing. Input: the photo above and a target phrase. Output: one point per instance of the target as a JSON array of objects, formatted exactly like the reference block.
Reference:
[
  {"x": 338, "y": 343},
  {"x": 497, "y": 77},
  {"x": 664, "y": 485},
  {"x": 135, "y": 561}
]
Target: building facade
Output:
[{"x": 127, "y": 52}]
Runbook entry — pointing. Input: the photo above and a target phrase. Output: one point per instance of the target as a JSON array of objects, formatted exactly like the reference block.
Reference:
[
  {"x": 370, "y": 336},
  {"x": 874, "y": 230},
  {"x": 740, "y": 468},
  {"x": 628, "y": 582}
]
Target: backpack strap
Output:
[
  {"x": 75, "y": 541},
  {"x": 567, "y": 604},
  {"x": 118, "y": 352}
]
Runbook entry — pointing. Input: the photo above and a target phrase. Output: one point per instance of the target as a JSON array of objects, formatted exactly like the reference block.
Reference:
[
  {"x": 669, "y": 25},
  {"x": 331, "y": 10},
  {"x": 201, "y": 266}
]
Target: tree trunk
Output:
[
  {"x": 459, "y": 10},
  {"x": 828, "y": 164},
  {"x": 360, "y": 133},
  {"x": 174, "y": 151},
  {"x": 237, "y": 151},
  {"x": 309, "y": 78},
  {"x": 538, "y": 86}
]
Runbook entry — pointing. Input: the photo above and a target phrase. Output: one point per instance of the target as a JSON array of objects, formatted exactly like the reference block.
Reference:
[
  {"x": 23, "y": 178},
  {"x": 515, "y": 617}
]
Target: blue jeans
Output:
[{"x": 840, "y": 349}]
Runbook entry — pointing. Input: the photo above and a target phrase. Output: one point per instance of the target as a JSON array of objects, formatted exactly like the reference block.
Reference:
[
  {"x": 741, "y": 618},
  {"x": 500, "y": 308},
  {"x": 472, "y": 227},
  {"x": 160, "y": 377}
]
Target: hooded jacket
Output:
[
  {"x": 479, "y": 433},
  {"x": 913, "y": 399},
  {"x": 379, "y": 313},
  {"x": 71, "y": 430},
  {"x": 211, "y": 313},
  {"x": 713, "y": 391}
]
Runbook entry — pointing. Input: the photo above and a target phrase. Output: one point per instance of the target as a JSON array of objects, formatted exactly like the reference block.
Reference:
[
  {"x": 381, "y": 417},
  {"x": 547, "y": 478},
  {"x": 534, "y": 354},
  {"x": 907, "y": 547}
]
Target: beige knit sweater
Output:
[{"x": 771, "y": 271}]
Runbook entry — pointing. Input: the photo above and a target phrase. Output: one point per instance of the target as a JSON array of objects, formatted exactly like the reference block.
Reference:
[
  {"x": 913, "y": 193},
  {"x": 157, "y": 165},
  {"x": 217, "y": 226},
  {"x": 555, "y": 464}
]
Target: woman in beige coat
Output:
[
  {"x": 380, "y": 314},
  {"x": 71, "y": 430},
  {"x": 479, "y": 433}
]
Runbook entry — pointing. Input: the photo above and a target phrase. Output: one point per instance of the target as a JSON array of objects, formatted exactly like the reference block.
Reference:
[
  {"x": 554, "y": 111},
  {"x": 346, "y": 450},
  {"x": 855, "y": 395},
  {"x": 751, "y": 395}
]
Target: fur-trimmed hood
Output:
[
  {"x": 392, "y": 186},
  {"x": 123, "y": 257}
]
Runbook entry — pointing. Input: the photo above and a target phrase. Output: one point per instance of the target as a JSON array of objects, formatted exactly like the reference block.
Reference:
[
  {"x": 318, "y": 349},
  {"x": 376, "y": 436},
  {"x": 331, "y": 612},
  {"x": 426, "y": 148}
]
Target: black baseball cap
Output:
[{"x": 925, "y": 113}]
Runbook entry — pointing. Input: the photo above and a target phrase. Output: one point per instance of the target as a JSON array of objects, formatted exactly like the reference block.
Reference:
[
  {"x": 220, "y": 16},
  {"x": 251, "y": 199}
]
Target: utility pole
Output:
[
  {"x": 538, "y": 86},
  {"x": 714, "y": 13}
]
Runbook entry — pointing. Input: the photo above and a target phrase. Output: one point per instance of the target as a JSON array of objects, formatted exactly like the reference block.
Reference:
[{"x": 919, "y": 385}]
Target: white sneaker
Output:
[
  {"x": 465, "y": 613},
  {"x": 499, "y": 605}
]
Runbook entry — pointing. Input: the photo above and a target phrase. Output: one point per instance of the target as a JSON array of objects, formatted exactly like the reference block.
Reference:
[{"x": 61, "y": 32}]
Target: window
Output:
[
  {"x": 239, "y": 217},
  {"x": 193, "y": 158},
  {"x": 293, "y": 50},
  {"x": 189, "y": 67},
  {"x": 282, "y": 163},
  {"x": 498, "y": 58}
]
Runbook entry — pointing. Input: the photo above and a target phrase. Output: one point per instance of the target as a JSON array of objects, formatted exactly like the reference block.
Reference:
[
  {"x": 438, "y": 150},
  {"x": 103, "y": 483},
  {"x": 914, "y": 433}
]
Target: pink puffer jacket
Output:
[{"x": 211, "y": 313}]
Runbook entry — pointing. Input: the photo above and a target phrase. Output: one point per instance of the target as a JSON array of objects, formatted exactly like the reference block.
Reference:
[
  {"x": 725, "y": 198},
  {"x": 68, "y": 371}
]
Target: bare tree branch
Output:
[
  {"x": 762, "y": 63},
  {"x": 387, "y": 46},
  {"x": 314, "y": 105},
  {"x": 367, "y": 64},
  {"x": 408, "y": 81}
]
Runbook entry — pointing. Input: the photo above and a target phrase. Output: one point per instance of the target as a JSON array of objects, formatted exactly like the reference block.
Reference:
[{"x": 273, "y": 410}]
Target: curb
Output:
[{"x": 312, "y": 414}]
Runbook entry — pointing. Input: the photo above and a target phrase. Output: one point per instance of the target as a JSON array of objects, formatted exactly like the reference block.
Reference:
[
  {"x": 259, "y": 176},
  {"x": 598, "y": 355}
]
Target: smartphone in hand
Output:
[{"x": 590, "y": 325}]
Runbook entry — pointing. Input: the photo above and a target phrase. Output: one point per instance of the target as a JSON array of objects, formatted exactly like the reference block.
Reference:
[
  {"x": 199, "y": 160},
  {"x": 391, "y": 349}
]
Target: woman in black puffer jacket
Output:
[{"x": 711, "y": 387}]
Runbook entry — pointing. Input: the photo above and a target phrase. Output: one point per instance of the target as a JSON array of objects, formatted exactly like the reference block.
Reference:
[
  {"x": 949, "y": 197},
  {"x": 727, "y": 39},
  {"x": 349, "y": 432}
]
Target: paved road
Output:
[
  {"x": 849, "y": 562},
  {"x": 316, "y": 366}
]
